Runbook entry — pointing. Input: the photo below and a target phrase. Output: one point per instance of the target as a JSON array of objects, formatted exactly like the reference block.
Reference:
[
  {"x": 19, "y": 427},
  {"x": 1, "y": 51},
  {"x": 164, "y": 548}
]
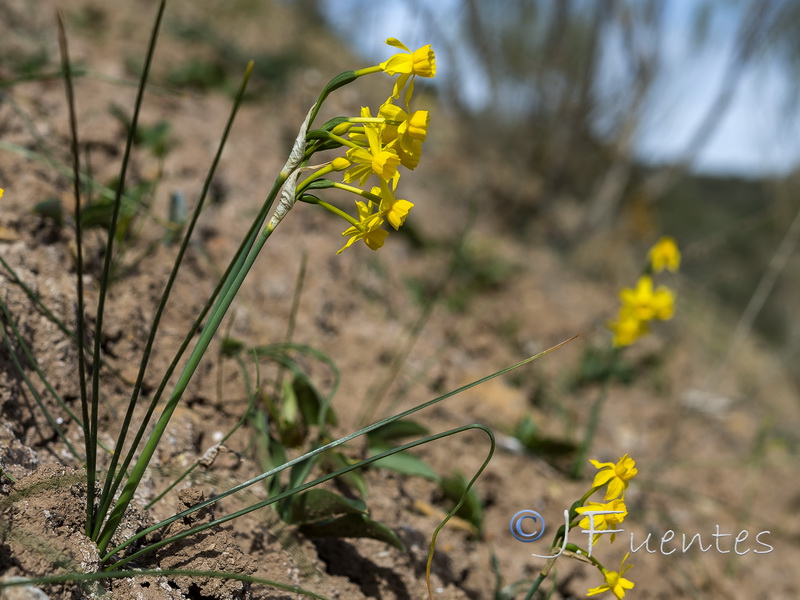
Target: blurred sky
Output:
[{"x": 756, "y": 136}]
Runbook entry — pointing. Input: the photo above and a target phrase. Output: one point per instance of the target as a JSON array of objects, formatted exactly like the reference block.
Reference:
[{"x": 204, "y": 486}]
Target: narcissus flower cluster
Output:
[
  {"x": 616, "y": 477},
  {"x": 645, "y": 302},
  {"x": 377, "y": 148}
]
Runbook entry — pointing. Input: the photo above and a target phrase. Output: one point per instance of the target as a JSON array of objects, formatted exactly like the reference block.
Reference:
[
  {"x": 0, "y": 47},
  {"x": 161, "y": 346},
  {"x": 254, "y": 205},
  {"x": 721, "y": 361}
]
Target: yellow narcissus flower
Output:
[
  {"x": 627, "y": 328},
  {"x": 646, "y": 303},
  {"x": 403, "y": 127},
  {"x": 603, "y": 522},
  {"x": 616, "y": 476},
  {"x": 375, "y": 158},
  {"x": 615, "y": 582},
  {"x": 395, "y": 211},
  {"x": 408, "y": 64},
  {"x": 665, "y": 255},
  {"x": 368, "y": 228},
  {"x": 415, "y": 126}
]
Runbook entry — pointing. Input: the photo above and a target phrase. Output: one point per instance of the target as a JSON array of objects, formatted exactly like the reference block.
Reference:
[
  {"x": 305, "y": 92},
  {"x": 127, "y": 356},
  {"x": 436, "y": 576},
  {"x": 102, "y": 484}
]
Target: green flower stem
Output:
[
  {"x": 91, "y": 450},
  {"x": 582, "y": 456},
  {"x": 309, "y": 199},
  {"x": 378, "y": 120},
  {"x": 227, "y": 294},
  {"x": 242, "y": 420},
  {"x": 536, "y": 583},
  {"x": 107, "y": 494},
  {"x": 313, "y": 177},
  {"x": 357, "y": 191},
  {"x": 574, "y": 518},
  {"x": 578, "y": 550},
  {"x": 340, "y": 80},
  {"x": 80, "y": 325},
  {"x": 368, "y": 70},
  {"x": 286, "y": 494},
  {"x": 343, "y": 141}
]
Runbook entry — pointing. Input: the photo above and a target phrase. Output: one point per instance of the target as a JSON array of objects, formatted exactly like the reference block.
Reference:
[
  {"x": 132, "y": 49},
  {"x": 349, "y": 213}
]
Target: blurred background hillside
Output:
[
  {"x": 585, "y": 125},
  {"x": 596, "y": 122}
]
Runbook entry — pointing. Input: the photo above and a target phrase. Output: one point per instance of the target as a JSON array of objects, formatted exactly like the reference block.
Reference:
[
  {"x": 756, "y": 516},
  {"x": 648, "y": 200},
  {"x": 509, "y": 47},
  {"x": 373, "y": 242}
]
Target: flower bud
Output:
[
  {"x": 340, "y": 163},
  {"x": 341, "y": 128}
]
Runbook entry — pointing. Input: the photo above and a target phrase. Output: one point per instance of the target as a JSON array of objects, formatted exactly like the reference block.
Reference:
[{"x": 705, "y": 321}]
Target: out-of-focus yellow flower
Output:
[
  {"x": 408, "y": 64},
  {"x": 1, "y": 192},
  {"x": 603, "y": 522},
  {"x": 627, "y": 328},
  {"x": 368, "y": 228},
  {"x": 615, "y": 582},
  {"x": 616, "y": 475},
  {"x": 665, "y": 255},
  {"x": 645, "y": 303}
]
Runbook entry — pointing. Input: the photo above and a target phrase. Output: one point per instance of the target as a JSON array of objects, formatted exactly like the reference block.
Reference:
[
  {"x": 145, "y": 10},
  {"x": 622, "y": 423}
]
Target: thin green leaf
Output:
[
  {"x": 404, "y": 463},
  {"x": 455, "y": 488},
  {"x": 52, "y": 209},
  {"x": 317, "y": 505},
  {"x": 310, "y": 401},
  {"x": 354, "y": 480},
  {"x": 397, "y": 430}
]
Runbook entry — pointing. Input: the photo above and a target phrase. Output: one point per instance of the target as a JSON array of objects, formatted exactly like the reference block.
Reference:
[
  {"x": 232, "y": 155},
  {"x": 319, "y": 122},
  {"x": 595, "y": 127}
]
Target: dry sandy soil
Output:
[{"x": 714, "y": 435}]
